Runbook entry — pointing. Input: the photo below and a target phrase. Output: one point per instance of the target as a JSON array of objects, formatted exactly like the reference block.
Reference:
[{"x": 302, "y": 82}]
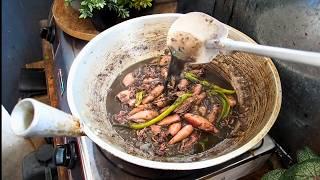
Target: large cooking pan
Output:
[{"x": 254, "y": 78}]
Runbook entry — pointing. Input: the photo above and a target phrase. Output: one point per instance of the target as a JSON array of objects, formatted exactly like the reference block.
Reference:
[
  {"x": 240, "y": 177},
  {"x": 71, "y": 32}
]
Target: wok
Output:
[{"x": 254, "y": 78}]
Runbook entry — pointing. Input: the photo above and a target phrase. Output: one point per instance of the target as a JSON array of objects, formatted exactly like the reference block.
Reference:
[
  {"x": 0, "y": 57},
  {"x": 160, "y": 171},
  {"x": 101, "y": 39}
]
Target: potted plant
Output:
[
  {"x": 106, "y": 13},
  {"x": 307, "y": 167}
]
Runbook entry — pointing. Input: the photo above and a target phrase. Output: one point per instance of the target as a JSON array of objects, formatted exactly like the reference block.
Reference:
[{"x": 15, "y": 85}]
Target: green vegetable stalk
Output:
[
  {"x": 225, "y": 106},
  {"x": 203, "y": 146},
  {"x": 139, "y": 97},
  {"x": 224, "y": 101},
  {"x": 203, "y": 143},
  {"x": 164, "y": 114},
  {"x": 192, "y": 77},
  {"x": 213, "y": 90}
]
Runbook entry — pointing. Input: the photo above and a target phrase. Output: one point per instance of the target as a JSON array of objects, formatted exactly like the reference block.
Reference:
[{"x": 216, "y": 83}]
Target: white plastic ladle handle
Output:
[{"x": 305, "y": 57}]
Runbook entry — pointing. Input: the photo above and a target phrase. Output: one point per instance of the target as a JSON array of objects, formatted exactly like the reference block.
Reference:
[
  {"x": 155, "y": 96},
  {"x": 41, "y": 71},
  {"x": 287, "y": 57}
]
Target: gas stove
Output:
[
  {"x": 98, "y": 164},
  {"x": 94, "y": 163}
]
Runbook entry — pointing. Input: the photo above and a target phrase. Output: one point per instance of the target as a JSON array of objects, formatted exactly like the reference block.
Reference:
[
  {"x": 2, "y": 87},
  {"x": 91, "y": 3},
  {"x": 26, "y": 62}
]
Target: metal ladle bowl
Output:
[{"x": 200, "y": 38}]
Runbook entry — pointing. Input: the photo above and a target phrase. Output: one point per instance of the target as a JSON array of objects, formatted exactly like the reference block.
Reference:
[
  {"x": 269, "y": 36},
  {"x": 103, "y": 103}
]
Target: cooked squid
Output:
[
  {"x": 173, "y": 121},
  {"x": 182, "y": 134}
]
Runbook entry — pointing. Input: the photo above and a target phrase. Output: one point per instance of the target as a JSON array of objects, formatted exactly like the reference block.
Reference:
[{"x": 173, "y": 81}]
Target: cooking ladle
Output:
[{"x": 199, "y": 38}]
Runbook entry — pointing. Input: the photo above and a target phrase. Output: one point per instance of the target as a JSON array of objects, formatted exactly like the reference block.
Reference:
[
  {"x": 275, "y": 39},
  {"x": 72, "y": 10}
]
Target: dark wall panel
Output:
[{"x": 21, "y": 43}]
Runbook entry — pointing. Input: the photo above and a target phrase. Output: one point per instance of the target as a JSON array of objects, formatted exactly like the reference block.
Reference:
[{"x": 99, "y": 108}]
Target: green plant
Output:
[
  {"x": 307, "y": 167},
  {"x": 121, "y": 7}
]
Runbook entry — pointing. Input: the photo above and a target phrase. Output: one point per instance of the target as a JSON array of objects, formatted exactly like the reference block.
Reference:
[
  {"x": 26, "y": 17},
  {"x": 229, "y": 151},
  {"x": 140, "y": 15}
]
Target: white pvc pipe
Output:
[
  {"x": 298, "y": 56},
  {"x": 33, "y": 118}
]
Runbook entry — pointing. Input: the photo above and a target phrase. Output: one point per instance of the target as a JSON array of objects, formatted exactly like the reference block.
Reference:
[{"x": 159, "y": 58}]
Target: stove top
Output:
[
  {"x": 99, "y": 164},
  {"x": 95, "y": 163}
]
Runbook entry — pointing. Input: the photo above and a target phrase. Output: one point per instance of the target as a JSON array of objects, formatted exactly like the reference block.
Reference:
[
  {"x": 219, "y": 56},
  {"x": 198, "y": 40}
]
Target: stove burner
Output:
[
  {"x": 120, "y": 168},
  {"x": 142, "y": 172}
]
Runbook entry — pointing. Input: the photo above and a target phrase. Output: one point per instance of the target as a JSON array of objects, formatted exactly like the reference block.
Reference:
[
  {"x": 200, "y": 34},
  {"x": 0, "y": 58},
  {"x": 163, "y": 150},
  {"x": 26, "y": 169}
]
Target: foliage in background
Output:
[
  {"x": 307, "y": 167},
  {"x": 121, "y": 7}
]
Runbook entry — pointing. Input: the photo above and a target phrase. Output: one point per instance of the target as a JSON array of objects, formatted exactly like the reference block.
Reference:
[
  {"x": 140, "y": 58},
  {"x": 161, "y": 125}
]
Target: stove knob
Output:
[{"x": 66, "y": 155}]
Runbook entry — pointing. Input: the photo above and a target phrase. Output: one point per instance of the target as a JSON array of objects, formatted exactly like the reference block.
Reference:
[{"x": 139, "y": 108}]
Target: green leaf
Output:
[
  {"x": 90, "y": 7},
  {"x": 138, "y": 4},
  {"x": 273, "y": 175},
  {"x": 306, "y": 154},
  {"x": 306, "y": 170},
  {"x": 85, "y": 12},
  {"x": 68, "y": 2},
  {"x": 83, "y": 16},
  {"x": 118, "y": 6}
]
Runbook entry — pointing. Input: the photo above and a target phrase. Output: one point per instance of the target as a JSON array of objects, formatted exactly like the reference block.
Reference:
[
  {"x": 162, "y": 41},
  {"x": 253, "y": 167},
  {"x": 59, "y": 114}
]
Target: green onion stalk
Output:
[
  {"x": 214, "y": 90},
  {"x": 164, "y": 114},
  {"x": 192, "y": 77}
]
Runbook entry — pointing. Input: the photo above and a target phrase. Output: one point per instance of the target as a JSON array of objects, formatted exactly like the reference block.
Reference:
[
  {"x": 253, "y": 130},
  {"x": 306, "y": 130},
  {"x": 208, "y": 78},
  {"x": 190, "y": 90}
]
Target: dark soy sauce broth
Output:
[{"x": 206, "y": 140}]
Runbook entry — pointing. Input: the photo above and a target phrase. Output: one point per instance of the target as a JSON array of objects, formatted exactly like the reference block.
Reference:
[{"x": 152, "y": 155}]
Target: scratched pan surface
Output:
[{"x": 102, "y": 60}]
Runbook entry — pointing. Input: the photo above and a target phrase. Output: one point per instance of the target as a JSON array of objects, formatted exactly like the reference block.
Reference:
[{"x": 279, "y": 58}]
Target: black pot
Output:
[{"x": 104, "y": 18}]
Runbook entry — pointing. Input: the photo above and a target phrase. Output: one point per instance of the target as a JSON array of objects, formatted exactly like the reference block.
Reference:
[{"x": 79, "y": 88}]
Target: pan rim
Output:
[{"x": 167, "y": 165}]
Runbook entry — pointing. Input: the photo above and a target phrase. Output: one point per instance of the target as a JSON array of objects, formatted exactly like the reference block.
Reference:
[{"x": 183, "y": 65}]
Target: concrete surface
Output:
[{"x": 13, "y": 149}]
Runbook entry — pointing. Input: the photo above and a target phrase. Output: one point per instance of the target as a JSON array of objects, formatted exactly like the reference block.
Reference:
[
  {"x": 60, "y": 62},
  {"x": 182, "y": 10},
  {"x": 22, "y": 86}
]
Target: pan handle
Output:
[{"x": 31, "y": 118}]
